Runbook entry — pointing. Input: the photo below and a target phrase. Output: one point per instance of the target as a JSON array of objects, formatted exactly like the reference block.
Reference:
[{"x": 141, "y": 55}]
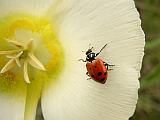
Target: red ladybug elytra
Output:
[{"x": 97, "y": 69}]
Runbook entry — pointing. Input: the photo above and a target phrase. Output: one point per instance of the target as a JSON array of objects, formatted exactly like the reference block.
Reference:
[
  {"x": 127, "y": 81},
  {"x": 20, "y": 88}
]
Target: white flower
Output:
[{"x": 60, "y": 30}]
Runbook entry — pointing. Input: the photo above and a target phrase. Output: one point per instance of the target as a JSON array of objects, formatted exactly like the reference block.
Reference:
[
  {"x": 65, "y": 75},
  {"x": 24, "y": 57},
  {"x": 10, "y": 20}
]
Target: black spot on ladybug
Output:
[
  {"x": 95, "y": 66},
  {"x": 105, "y": 73},
  {"x": 99, "y": 73},
  {"x": 102, "y": 79},
  {"x": 90, "y": 68},
  {"x": 92, "y": 76}
]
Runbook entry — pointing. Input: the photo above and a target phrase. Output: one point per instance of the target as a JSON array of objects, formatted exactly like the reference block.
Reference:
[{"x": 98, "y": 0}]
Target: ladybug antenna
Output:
[
  {"x": 91, "y": 48},
  {"x": 84, "y": 51},
  {"x": 101, "y": 49}
]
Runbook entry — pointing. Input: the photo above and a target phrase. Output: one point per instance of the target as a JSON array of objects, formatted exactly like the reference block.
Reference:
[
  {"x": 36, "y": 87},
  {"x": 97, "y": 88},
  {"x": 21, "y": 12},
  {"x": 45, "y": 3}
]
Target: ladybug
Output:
[{"x": 97, "y": 69}]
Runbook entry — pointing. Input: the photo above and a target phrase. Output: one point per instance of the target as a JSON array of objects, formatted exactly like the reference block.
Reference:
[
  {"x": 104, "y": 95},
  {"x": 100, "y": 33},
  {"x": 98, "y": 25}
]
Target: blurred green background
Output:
[{"x": 148, "y": 107}]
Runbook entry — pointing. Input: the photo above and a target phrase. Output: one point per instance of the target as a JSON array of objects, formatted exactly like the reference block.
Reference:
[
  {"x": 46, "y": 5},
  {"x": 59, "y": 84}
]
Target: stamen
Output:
[
  {"x": 18, "y": 62},
  {"x": 19, "y": 54},
  {"x": 16, "y": 58},
  {"x": 35, "y": 62},
  {"x": 26, "y": 78},
  {"x": 24, "y": 53},
  {"x": 15, "y": 43},
  {"x": 8, "y": 66},
  {"x": 9, "y": 52}
]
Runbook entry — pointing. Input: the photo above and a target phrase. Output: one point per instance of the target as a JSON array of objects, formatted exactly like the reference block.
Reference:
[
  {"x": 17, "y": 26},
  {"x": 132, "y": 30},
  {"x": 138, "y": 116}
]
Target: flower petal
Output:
[
  {"x": 78, "y": 98},
  {"x": 37, "y": 7},
  {"x": 96, "y": 22},
  {"x": 12, "y": 97},
  {"x": 22, "y": 27}
]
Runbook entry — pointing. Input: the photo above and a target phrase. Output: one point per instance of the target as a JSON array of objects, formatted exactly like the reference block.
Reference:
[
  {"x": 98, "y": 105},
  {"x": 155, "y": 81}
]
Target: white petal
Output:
[
  {"x": 18, "y": 100},
  {"x": 12, "y": 97},
  {"x": 114, "y": 22},
  {"x": 97, "y": 22},
  {"x": 75, "y": 97},
  {"x": 37, "y": 7},
  {"x": 12, "y": 108}
]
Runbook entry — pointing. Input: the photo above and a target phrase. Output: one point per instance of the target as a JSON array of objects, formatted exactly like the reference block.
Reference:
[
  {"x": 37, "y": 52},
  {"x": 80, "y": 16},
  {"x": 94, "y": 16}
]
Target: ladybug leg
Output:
[
  {"x": 82, "y": 60},
  {"x": 106, "y": 64},
  {"x": 88, "y": 76},
  {"x": 109, "y": 69}
]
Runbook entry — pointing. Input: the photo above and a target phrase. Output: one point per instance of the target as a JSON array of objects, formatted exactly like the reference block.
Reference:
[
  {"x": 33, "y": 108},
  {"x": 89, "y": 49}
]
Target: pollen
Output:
[{"x": 8, "y": 76}]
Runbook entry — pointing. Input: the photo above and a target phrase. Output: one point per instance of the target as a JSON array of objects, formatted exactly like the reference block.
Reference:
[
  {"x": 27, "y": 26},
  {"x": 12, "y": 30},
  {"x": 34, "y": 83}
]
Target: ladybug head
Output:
[
  {"x": 90, "y": 55},
  {"x": 88, "y": 51}
]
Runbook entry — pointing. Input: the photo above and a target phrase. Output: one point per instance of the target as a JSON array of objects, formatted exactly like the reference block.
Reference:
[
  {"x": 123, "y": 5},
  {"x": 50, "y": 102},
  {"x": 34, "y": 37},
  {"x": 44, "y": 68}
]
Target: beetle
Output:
[{"x": 97, "y": 69}]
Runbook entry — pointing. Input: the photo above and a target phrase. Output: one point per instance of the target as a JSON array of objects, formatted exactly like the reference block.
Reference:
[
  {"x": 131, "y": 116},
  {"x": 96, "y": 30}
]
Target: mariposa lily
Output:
[{"x": 40, "y": 44}]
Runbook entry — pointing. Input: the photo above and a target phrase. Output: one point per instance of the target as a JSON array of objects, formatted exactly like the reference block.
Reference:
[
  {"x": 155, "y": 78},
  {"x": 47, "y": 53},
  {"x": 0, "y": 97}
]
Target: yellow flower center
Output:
[{"x": 44, "y": 52}]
